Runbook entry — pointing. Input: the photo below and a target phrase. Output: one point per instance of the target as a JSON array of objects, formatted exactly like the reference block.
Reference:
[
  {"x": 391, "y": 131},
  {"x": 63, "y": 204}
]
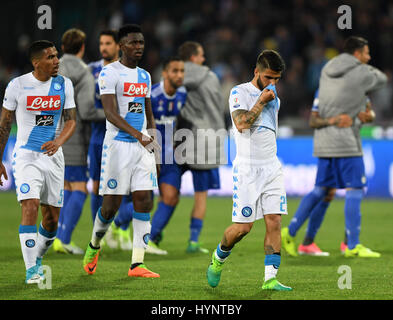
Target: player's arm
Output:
[
  {"x": 112, "y": 115},
  {"x": 244, "y": 119},
  {"x": 151, "y": 125},
  {"x": 69, "y": 116},
  {"x": 368, "y": 115},
  {"x": 340, "y": 121},
  {"x": 5, "y": 128}
]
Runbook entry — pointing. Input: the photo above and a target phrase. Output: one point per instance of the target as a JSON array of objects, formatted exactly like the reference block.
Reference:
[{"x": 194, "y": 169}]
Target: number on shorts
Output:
[{"x": 282, "y": 203}]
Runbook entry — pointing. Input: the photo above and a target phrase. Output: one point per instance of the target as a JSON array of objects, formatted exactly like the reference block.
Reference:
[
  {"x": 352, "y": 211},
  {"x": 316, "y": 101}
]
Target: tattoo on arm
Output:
[
  {"x": 5, "y": 128},
  {"x": 69, "y": 114},
  {"x": 316, "y": 121}
]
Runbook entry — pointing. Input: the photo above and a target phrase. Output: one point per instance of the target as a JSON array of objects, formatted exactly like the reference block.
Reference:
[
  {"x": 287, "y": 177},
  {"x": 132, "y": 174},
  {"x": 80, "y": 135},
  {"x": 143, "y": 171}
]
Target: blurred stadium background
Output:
[{"x": 233, "y": 32}]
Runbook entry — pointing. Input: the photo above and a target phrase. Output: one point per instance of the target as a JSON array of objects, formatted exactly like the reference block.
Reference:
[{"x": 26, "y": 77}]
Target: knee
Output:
[
  {"x": 30, "y": 207},
  {"x": 171, "y": 200},
  {"x": 273, "y": 222},
  {"x": 330, "y": 195}
]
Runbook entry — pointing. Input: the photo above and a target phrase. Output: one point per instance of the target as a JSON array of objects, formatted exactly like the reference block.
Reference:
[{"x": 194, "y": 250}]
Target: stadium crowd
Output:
[{"x": 232, "y": 33}]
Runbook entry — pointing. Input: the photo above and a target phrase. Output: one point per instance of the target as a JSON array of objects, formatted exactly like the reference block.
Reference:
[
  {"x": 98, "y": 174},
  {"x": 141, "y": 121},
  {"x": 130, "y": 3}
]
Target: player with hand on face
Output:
[
  {"x": 258, "y": 182},
  {"x": 41, "y": 100},
  {"x": 129, "y": 153}
]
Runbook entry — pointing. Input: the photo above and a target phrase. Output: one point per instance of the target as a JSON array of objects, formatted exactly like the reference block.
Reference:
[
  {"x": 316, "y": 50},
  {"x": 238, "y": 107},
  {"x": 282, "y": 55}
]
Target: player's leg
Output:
[
  {"x": 309, "y": 247},
  {"x": 143, "y": 203},
  {"x": 57, "y": 244},
  {"x": 232, "y": 235},
  {"x": 28, "y": 238},
  {"x": 272, "y": 247},
  {"x": 102, "y": 222},
  {"x": 203, "y": 181},
  {"x": 122, "y": 223},
  {"x": 324, "y": 179},
  {"x": 95, "y": 152},
  {"x": 46, "y": 232}
]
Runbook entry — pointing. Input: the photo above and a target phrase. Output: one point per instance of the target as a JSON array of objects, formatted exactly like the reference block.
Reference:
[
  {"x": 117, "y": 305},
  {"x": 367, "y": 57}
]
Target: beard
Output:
[{"x": 260, "y": 85}]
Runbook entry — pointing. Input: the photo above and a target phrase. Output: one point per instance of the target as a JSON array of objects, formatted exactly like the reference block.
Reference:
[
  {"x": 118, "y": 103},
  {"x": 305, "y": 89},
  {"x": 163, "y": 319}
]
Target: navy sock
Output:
[
  {"x": 72, "y": 213},
  {"x": 67, "y": 194},
  {"x": 160, "y": 219},
  {"x": 316, "y": 218},
  {"x": 195, "y": 229},
  {"x": 124, "y": 217},
  {"x": 353, "y": 199},
  {"x": 95, "y": 203},
  {"x": 305, "y": 208}
]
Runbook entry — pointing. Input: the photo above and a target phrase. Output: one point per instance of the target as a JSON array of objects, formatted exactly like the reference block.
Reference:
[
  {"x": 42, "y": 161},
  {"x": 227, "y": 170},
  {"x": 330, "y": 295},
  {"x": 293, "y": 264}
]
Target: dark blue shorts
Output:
[
  {"x": 170, "y": 174},
  {"x": 341, "y": 173},
  {"x": 95, "y": 153},
  {"x": 75, "y": 173},
  {"x": 204, "y": 180}
]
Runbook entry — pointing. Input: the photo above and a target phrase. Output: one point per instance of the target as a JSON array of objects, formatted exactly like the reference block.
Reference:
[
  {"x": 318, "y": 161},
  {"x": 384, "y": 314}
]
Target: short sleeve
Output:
[
  {"x": 236, "y": 100},
  {"x": 10, "y": 101},
  {"x": 69, "y": 95},
  {"x": 107, "y": 81}
]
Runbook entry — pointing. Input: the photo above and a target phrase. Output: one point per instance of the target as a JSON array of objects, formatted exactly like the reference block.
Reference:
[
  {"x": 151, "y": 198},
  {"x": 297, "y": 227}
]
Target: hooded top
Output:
[
  {"x": 204, "y": 109},
  {"x": 343, "y": 87},
  {"x": 75, "y": 149}
]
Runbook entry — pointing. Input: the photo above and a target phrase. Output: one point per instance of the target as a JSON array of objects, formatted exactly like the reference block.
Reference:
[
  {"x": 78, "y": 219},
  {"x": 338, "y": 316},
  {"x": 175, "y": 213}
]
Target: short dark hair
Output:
[
  {"x": 167, "y": 61},
  {"x": 270, "y": 59},
  {"x": 354, "y": 43},
  {"x": 188, "y": 49},
  {"x": 73, "y": 40},
  {"x": 35, "y": 49},
  {"x": 128, "y": 28},
  {"x": 112, "y": 33}
]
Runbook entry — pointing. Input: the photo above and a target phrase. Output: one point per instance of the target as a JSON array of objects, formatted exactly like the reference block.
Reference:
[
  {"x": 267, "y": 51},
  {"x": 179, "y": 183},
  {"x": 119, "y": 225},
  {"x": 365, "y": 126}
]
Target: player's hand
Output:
[
  {"x": 341, "y": 121},
  {"x": 51, "y": 147},
  {"x": 366, "y": 116},
  {"x": 150, "y": 144},
  {"x": 158, "y": 169},
  {"x": 3, "y": 172},
  {"x": 266, "y": 96}
]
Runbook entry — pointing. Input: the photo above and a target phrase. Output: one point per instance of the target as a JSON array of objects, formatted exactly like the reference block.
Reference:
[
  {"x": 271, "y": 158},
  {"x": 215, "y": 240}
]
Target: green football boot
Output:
[
  {"x": 195, "y": 247},
  {"x": 288, "y": 242},
  {"x": 273, "y": 284},
  {"x": 90, "y": 259},
  {"x": 214, "y": 271}
]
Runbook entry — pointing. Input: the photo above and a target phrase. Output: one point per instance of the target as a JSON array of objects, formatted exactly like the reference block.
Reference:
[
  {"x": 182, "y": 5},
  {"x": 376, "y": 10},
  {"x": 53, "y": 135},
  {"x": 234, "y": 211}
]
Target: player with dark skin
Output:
[
  {"x": 132, "y": 48},
  {"x": 46, "y": 65}
]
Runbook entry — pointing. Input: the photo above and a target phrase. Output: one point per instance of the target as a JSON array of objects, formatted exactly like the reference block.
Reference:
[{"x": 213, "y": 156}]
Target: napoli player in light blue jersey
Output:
[
  {"x": 258, "y": 181},
  {"x": 109, "y": 49}
]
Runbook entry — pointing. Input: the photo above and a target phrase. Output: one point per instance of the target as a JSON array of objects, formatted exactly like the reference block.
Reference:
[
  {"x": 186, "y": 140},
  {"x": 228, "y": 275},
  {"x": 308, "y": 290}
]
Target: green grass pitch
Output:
[{"x": 183, "y": 276}]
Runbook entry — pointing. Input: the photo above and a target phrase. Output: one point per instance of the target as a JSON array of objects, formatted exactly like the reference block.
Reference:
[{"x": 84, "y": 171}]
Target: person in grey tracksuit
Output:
[
  {"x": 344, "y": 85},
  {"x": 203, "y": 116},
  {"x": 76, "y": 148}
]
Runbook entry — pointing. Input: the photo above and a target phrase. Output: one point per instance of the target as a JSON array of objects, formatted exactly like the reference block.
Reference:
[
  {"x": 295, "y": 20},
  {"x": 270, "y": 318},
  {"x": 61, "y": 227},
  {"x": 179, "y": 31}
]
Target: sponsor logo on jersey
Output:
[
  {"x": 44, "y": 120},
  {"x": 135, "y": 89},
  {"x": 43, "y": 103},
  {"x": 135, "y": 107}
]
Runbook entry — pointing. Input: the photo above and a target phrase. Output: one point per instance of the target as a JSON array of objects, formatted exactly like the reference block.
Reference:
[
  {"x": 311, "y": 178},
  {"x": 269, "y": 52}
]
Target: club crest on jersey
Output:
[
  {"x": 44, "y": 120},
  {"x": 135, "y": 89},
  {"x": 57, "y": 86},
  {"x": 135, "y": 107},
  {"x": 43, "y": 103}
]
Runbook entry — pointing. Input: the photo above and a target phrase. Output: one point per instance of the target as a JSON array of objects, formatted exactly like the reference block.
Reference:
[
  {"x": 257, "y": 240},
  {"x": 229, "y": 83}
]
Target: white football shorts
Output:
[
  {"x": 126, "y": 167},
  {"x": 258, "y": 191},
  {"x": 38, "y": 176}
]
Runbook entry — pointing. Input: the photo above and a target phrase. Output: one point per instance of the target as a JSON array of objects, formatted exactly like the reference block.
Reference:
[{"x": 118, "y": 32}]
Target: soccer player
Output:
[
  {"x": 203, "y": 98},
  {"x": 75, "y": 150},
  {"x": 39, "y": 100},
  {"x": 109, "y": 49},
  {"x": 129, "y": 153},
  {"x": 317, "y": 211},
  {"x": 258, "y": 182},
  {"x": 344, "y": 84}
]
